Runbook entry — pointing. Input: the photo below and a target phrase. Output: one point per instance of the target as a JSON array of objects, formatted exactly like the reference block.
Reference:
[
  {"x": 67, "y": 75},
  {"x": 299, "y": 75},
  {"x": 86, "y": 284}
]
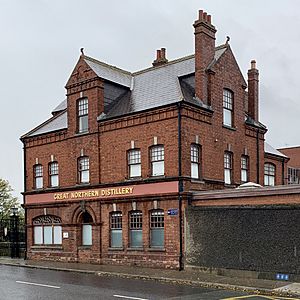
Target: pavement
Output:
[{"x": 189, "y": 277}]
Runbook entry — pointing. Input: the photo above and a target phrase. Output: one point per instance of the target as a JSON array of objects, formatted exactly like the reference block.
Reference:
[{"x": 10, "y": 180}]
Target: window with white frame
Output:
[
  {"x": 195, "y": 161},
  {"x": 53, "y": 174},
  {"x": 157, "y": 157},
  {"x": 82, "y": 115},
  {"x": 136, "y": 229},
  {"x": 228, "y": 167},
  {"x": 227, "y": 108},
  {"x": 87, "y": 229},
  {"x": 269, "y": 172},
  {"x": 84, "y": 169},
  {"x": 244, "y": 168},
  {"x": 134, "y": 163},
  {"x": 38, "y": 176},
  {"x": 47, "y": 230},
  {"x": 116, "y": 239},
  {"x": 157, "y": 228}
]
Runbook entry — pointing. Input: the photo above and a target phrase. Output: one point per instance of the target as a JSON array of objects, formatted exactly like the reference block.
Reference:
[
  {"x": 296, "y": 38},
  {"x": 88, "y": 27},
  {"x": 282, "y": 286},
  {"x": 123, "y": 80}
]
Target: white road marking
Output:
[
  {"x": 128, "y": 297},
  {"x": 39, "y": 284}
]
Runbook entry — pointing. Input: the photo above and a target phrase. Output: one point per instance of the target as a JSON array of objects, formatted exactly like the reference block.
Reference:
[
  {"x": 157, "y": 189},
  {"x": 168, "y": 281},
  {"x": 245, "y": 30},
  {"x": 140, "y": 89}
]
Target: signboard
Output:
[
  {"x": 173, "y": 212},
  {"x": 282, "y": 276}
]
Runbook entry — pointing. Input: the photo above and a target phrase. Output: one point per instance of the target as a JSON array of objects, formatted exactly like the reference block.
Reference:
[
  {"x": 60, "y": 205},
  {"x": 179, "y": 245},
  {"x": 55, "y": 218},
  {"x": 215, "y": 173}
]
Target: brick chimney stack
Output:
[
  {"x": 204, "y": 53},
  {"x": 253, "y": 91},
  {"x": 160, "y": 57}
]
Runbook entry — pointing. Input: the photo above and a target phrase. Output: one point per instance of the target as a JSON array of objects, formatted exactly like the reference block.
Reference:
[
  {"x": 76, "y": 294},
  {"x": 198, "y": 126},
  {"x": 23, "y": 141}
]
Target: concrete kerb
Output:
[{"x": 215, "y": 285}]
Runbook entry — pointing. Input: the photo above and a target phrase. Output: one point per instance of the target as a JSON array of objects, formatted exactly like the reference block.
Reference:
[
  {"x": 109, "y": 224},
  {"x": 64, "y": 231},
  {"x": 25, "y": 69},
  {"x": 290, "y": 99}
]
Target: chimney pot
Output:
[
  {"x": 209, "y": 19},
  {"x": 158, "y": 54},
  {"x": 205, "y": 16},
  {"x": 163, "y": 53},
  {"x": 253, "y": 64},
  {"x": 200, "y": 14}
]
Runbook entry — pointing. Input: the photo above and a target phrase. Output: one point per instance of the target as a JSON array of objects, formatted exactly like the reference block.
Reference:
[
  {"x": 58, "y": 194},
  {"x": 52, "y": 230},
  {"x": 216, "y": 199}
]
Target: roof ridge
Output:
[
  {"x": 107, "y": 65},
  {"x": 174, "y": 61}
]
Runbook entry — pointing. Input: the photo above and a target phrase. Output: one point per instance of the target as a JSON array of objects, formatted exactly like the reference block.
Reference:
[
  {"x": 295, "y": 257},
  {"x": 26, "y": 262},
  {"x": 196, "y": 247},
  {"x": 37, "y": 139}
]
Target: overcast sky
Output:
[{"x": 40, "y": 42}]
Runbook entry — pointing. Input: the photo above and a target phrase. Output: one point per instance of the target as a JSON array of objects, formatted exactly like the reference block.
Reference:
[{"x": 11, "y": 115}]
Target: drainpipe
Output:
[
  {"x": 180, "y": 189},
  {"x": 283, "y": 173},
  {"x": 257, "y": 157},
  {"x": 25, "y": 214}
]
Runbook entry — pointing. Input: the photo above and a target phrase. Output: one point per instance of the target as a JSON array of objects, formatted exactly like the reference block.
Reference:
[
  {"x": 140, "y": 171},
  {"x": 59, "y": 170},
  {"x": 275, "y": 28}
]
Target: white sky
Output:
[{"x": 40, "y": 42}]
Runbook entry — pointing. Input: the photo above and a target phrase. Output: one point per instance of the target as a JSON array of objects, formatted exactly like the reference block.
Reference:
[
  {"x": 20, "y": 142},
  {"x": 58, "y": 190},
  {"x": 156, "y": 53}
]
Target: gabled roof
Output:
[
  {"x": 108, "y": 72},
  {"x": 146, "y": 89},
  {"x": 270, "y": 150}
]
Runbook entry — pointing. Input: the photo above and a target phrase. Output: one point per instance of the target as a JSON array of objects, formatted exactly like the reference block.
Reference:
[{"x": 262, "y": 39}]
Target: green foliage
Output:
[{"x": 7, "y": 201}]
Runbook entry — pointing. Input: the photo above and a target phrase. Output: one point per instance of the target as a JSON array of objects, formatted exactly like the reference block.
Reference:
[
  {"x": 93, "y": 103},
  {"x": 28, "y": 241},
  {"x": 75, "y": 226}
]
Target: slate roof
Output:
[
  {"x": 146, "y": 89},
  {"x": 269, "y": 149}
]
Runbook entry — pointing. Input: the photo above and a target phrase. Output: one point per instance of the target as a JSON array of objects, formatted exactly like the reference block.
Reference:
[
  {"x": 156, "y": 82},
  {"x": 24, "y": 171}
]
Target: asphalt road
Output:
[{"x": 24, "y": 283}]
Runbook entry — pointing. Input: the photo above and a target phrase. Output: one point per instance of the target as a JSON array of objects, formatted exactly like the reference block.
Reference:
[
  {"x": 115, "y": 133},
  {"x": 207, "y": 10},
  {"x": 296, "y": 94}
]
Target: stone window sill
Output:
[
  {"x": 229, "y": 127},
  {"x": 44, "y": 247},
  {"x": 156, "y": 249}
]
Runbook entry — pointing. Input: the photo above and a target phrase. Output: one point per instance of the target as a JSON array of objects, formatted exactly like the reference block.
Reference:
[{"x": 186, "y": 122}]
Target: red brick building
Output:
[
  {"x": 293, "y": 168},
  {"x": 108, "y": 176}
]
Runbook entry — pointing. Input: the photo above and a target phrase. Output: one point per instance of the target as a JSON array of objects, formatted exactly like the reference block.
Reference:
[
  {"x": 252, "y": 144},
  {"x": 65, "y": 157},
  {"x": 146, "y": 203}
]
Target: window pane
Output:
[
  {"x": 85, "y": 176},
  {"x": 157, "y": 237},
  {"x": 244, "y": 176},
  {"x": 158, "y": 168},
  {"x": 39, "y": 182},
  {"x": 271, "y": 180},
  {"x": 57, "y": 235},
  {"x": 83, "y": 123},
  {"x": 136, "y": 238},
  {"x": 86, "y": 235},
  {"x": 38, "y": 235},
  {"x": 54, "y": 180},
  {"x": 48, "y": 235},
  {"x": 227, "y": 176},
  {"x": 227, "y": 117},
  {"x": 116, "y": 238},
  {"x": 194, "y": 170},
  {"x": 135, "y": 170}
]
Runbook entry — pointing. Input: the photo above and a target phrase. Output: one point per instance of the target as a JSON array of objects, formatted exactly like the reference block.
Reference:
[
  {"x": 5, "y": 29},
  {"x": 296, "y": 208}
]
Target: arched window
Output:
[
  {"x": 227, "y": 108},
  {"x": 53, "y": 174},
  {"x": 47, "y": 230},
  {"x": 82, "y": 115},
  {"x": 116, "y": 240},
  {"x": 87, "y": 229},
  {"x": 157, "y": 228},
  {"x": 84, "y": 169},
  {"x": 135, "y": 229},
  {"x": 269, "y": 178},
  {"x": 38, "y": 176}
]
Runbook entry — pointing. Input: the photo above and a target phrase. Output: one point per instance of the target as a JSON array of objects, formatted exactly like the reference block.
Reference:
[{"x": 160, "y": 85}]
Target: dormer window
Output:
[
  {"x": 82, "y": 114},
  {"x": 227, "y": 108}
]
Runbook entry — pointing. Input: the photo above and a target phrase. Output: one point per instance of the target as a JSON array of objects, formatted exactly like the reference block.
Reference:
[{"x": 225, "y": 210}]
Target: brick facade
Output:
[{"x": 115, "y": 126}]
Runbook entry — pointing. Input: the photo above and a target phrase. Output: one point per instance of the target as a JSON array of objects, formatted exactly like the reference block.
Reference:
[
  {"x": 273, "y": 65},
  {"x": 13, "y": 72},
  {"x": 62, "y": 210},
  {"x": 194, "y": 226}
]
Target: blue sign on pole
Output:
[{"x": 173, "y": 212}]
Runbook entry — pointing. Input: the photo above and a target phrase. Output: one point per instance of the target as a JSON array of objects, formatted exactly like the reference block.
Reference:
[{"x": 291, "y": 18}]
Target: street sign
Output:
[{"x": 173, "y": 212}]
